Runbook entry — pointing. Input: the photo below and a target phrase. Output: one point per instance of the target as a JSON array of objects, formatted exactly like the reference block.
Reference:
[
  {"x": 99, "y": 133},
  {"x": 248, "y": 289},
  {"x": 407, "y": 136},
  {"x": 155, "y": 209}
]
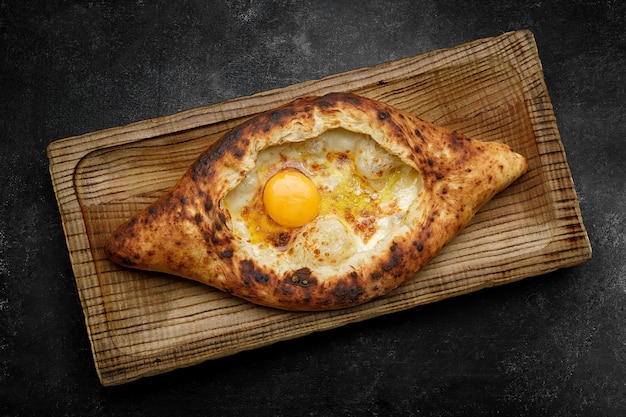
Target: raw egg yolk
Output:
[{"x": 291, "y": 198}]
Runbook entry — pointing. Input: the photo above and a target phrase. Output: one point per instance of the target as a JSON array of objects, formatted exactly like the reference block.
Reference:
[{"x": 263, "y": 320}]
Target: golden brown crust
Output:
[{"x": 188, "y": 233}]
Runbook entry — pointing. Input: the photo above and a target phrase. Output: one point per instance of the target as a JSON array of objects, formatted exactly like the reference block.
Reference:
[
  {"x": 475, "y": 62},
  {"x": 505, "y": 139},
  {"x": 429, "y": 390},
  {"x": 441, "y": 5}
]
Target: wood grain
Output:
[{"x": 143, "y": 323}]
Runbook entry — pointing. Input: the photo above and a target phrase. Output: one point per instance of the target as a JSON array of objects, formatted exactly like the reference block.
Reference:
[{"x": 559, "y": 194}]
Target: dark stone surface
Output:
[{"x": 551, "y": 345}]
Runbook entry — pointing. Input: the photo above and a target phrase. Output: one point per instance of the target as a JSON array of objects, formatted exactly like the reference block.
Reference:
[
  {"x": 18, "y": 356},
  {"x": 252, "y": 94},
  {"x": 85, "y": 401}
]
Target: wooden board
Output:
[{"x": 143, "y": 323}]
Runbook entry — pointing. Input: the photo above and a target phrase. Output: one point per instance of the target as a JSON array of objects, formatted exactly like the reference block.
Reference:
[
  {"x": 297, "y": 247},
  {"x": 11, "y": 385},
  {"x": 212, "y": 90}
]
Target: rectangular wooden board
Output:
[{"x": 142, "y": 324}]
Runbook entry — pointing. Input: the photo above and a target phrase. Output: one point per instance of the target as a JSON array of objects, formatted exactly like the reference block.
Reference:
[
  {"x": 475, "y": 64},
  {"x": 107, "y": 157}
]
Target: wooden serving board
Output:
[{"x": 144, "y": 323}]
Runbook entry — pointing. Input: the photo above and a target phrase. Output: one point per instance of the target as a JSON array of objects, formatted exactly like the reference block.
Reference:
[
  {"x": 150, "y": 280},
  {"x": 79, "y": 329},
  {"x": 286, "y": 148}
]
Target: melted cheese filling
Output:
[{"x": 364, "y": 195}]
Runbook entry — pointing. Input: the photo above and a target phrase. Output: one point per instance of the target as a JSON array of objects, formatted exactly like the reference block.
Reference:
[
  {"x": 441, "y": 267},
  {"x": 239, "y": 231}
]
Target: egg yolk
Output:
[{"x": 291, "y": 198}]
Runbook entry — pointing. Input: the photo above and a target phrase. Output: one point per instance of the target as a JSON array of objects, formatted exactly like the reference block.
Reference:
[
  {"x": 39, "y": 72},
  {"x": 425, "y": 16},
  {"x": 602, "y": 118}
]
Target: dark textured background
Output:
[{"x": 551, "y": 345}]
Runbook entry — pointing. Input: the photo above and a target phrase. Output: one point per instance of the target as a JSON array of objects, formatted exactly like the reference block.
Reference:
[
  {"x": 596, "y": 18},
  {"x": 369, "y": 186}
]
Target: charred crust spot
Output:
[
  {"x": 444, "y": 191},
  {"x": 237, "y": 133},
  {"x": 302, "y": 277},
  {"x": 350, "y": 98},
  {"x": 222, "y": 218},
  {"x": 238, "y": 153},
  {"x": 152, "y": 210},
  {"x": 375, "y": 276},
  {"x": 419, "y": 246},
  {"x": 249, "y": 271},
  {"x": 382, "y": 115},
  {"x": 218, "y": 227},
  {"x": 197, "y": 170},
  {"x": 183, "y": 200},
  {"x": 395, "y": 261},
  {"x": 261, "y": 277},
  {"x": 417, "y": 149},
  {"x": 418, "y": 133},
  {"x": 393, "y": 264},
  {"x": 227, "y": 253},
  {"x": 347, "y": 292},
  {"x": 438, "y": 175},
  {"x": 430, "y": 162},
  {"x": 324, "y": 103},
  {"x": 197, "y": 218},
  {"x": 354, "y": 275},
  {"x": 128, "y": 261}
]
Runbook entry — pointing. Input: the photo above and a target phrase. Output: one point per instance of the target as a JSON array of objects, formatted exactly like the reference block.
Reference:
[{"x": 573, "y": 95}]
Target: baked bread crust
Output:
[{"x": 188, "y": 232}]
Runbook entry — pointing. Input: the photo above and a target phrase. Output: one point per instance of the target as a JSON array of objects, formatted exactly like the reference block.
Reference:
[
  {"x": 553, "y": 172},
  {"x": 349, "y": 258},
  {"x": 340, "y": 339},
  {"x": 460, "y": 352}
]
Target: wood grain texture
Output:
[{"x": 142, "y": 323}]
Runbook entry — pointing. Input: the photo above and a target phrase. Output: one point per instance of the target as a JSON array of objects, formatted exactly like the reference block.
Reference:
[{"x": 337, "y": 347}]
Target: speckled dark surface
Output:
[{"x": 551, "y": 345}]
